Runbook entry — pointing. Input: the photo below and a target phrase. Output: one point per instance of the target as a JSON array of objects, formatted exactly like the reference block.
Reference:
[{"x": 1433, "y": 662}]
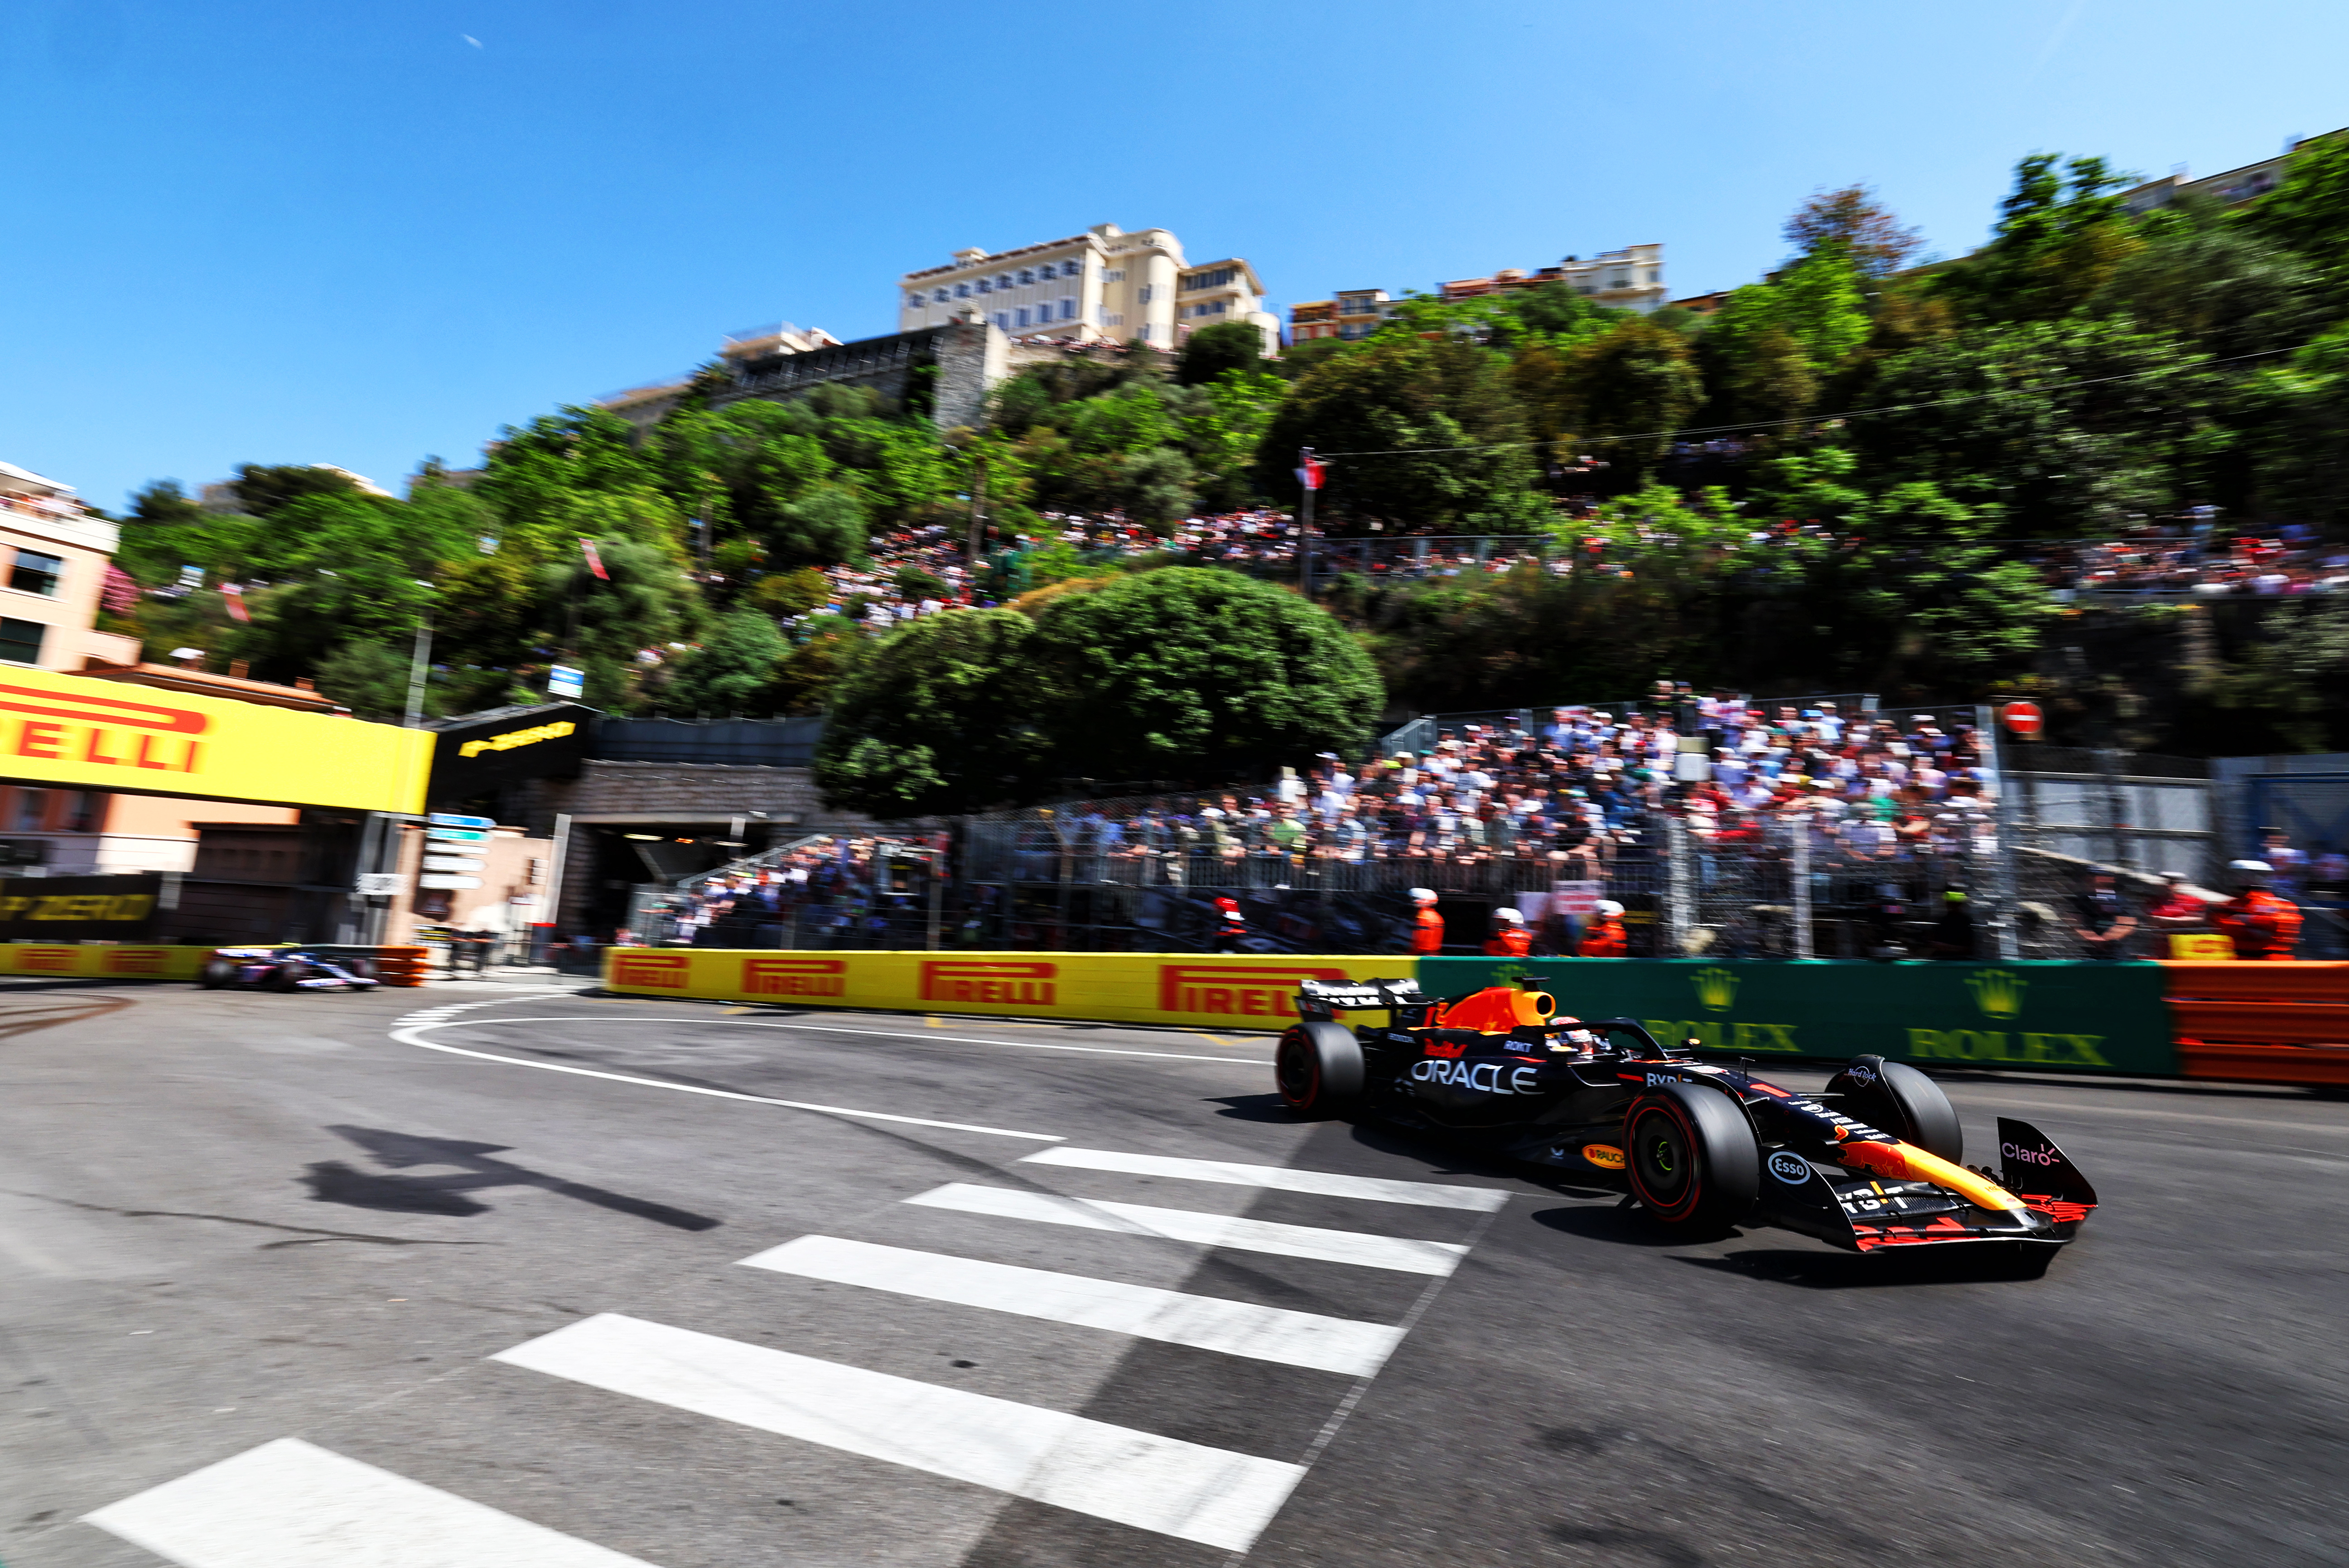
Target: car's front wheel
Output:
[
  {"x": 216, "y": 973},
  {"x": 1693, "y": 1160},
  {"x": 1318, "y": 1068},
  {"x": 289, "y": 975}
]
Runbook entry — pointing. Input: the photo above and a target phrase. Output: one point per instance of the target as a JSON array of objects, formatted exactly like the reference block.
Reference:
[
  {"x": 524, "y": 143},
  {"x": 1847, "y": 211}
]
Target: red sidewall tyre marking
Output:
[{"x": 1693, "y": 1148}]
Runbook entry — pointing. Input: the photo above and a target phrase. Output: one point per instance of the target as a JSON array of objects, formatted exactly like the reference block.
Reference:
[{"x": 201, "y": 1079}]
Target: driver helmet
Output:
[
  {"x": 2250, "y": 873},
  {"x": 1608, "y": 910},
  {"x": 1509, "y": 916},
  {"x": 1422, "y": 895}
]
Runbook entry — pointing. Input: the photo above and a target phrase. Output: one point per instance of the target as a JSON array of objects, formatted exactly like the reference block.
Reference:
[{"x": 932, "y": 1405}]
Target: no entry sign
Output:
[{"x": 2023, "y": 720}]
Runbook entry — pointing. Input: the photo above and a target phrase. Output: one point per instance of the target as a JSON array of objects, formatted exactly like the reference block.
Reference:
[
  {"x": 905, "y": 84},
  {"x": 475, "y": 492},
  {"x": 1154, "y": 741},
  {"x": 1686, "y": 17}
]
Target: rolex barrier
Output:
[{"x": 2255, "y": 1023}]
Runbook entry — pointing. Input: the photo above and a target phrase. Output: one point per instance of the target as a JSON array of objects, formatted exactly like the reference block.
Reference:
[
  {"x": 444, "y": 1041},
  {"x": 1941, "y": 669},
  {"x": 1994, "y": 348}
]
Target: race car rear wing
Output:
[{"x": 1323, "y": 999}]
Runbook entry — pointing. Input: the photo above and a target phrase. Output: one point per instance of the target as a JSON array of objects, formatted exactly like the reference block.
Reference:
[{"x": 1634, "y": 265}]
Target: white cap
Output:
[
  {"x": 1609, "y": 907},
  {"x": 1508, "y": 917},
  {"x": 1422, "y": 895}
]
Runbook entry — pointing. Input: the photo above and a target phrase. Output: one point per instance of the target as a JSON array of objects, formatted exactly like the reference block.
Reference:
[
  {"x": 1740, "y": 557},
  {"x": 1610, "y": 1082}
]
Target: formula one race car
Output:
[
  {"x": 1870, "y": 1164},
  {"x": 283, "y": 969}
]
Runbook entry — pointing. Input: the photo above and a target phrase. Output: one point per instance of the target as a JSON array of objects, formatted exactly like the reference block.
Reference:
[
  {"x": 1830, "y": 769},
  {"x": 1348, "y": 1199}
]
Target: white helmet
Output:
[
  {"x": 1608, "y": 908},
  {"x": 1508, "y": 917},
  {"x": 2250, "y": 872},
  {"x": 1422, "y": 895}
]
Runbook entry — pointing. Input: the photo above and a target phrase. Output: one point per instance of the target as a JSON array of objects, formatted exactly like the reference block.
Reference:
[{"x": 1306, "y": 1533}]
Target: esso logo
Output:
[
  {"x": 1790, "y": 1167},
  {"x": 2016, "y": 1152}
]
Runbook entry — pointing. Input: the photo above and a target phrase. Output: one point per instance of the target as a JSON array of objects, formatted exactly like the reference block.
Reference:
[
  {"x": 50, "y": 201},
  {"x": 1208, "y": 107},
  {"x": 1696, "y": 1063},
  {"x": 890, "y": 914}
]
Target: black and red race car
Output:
[{"x": 1873, "y": 1163}]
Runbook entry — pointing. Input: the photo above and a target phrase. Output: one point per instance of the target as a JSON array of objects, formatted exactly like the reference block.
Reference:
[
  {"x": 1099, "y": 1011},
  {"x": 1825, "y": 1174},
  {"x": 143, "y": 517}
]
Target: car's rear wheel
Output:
[
  {"x": 1318, "y": 1068},
  {"x": 1693, "y": 1162},
  {"x": 1894, "y": 1097},
  {"x": 359, "y": 968},
  {"x": 216, "y": 973}
]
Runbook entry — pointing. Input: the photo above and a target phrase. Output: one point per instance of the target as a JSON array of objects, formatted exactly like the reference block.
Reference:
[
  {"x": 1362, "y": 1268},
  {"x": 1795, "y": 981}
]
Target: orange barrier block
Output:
[
  {"x": 2263, "y": 1022},
  {"x": 2292, "y": 980},
  {"x": 2317, "y": 1066}
]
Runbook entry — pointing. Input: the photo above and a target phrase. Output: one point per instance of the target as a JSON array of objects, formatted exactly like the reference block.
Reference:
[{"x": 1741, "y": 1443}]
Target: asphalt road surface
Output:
[{"x": 516, "y": 1278}]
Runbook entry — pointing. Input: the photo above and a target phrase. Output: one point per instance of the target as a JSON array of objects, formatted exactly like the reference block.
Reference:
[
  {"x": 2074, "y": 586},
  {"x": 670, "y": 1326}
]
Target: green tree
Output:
[
  {"x": 2059, "y": 238},
  {"x": 1632, "y": 387},
  {"x": 1210, "y": 351},
  {"x": 733, "y": 670},
  {"x": 264, "y": 491},
  {"x": 1424, "y": 437},
  {"x": 1194, "y": 675},
  {"x": 2309, "y": 211},
  {"x": 940, "y": 716},
  {"x": 371, "y": 679},
  {"x": 2225, "y": 288}
]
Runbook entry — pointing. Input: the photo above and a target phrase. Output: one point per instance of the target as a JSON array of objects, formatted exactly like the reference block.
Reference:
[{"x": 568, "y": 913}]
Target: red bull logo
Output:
[
  {"x": 795, "y": 977},
  {"x": 999, "y": 982},
  {"x": 662, "y": 972},
  {"x": 1238, "y": 990}
]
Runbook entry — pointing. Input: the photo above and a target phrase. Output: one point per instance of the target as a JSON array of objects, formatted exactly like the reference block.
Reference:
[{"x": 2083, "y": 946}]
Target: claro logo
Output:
[
  {"x": 795, "y": 977},
  {"x": 1003, "y": 983},
  {"x": 1238, "y": 991},
  {"x": 2018, "y": 1153},
  {"x": 110, "y": 731},
  {"x": 661, "y": 972}
]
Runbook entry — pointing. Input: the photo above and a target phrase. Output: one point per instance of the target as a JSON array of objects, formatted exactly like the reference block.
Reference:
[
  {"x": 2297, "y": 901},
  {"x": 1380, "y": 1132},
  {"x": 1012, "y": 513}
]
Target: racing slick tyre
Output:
[
  {"x": 359, "y": 968},
  {"x": 1694, "y": 1164},
  {"x": 1894, "y": 1097},
  {"x": 1319, "y": 1069},
  {"x": 289, "y": 975},
  {"x": 216, "y": 973}
]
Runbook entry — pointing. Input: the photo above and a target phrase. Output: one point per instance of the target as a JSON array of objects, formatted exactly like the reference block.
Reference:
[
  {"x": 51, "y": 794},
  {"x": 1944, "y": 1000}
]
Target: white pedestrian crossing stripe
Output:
[
  {"x": 290, "y": 1504},
  {"x": 1204, "y": 1322},
  {"x": 1207, "y": 1229},
  {"x": 1163, "y": 1484},
  {"x": 1276, "y": 1177}
]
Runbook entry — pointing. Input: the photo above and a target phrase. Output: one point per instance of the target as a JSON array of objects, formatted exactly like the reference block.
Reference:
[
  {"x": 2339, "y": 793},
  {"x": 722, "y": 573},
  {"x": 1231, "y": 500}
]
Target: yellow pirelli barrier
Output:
[
  {"x": 98, "y": 960},
  {"x": 1236, "y": 992}
]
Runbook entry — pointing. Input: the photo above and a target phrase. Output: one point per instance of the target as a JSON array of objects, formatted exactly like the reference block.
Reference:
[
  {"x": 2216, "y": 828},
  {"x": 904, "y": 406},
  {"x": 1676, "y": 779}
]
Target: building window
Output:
[
  {"x": 20, "y": 641},
  {"x": 985, "y": 286},
  {"x": 939, "y": 297},
  {"x": 962, "y": 291},
  {"x": 1022, "y": 313},
  {"x": 1111, "y": 318},
  {"x": 1027, "y": 277},
  {"x": 1003, "y": 320},
  {"x": 35, "y": 573},
  {"x": 1067, "y": 309},
  {"x": 1003, "y": 281},
  {"x": 1145, "y": 332},
  {"x": 1115, "y": 274},
  {"x": 82, "y": 810},
  {"x": 32, "y": 809},
  {"x": 1071, "y": 268},
  {"x": 1149, "y": 292}
]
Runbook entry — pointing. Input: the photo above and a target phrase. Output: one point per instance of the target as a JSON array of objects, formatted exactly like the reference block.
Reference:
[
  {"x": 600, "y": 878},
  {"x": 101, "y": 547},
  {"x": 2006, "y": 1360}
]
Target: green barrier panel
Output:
[{"x": 2047, "y": 1016}]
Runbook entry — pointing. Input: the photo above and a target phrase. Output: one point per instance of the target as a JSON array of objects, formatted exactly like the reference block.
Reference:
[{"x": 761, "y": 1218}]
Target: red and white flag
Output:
[
  {"x": 594, "y": 561},
  {"x": 233, "y": 593},
  {"x": 1310, "y": 473}
]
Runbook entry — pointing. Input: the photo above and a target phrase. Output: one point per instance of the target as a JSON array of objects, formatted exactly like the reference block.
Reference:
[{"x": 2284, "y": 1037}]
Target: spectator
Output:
[{"x": 2099, "y": 919}]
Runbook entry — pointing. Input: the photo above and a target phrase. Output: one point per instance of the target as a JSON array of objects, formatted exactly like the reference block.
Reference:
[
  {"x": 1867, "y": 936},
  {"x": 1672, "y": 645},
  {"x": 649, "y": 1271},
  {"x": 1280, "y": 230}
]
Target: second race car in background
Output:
[{"x": 283, "y": 969}]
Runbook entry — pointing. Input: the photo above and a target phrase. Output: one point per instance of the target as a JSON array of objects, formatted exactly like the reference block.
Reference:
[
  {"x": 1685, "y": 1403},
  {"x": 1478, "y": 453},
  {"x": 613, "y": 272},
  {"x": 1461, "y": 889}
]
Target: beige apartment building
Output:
[
  {"x": 1104, "y": 284},
  {"x": 53, "y": 561},
  {"x": 1630, "y": 279}
]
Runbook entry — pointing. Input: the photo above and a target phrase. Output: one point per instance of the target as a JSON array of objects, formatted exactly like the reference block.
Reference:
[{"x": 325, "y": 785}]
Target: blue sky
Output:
[{"x": 263, "y": 230}]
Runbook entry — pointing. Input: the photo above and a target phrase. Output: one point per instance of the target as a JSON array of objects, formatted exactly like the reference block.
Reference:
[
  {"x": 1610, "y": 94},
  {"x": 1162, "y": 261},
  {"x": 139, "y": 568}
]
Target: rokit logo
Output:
[
  {"x": 1485, "y": 1077},
  {"x": 662, "y": 972},
  {"x": 1238, "y": 991},
  {"x": 999, "y": 983},
  {"x": 2023, "y": 1155},
  {"x": 1790, "y": 1167},
  {"x": 795, "y": 977}
]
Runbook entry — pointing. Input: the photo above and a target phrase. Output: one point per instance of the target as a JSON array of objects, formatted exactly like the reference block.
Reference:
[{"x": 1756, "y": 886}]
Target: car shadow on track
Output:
[{"x": 1946, "y": 1265}]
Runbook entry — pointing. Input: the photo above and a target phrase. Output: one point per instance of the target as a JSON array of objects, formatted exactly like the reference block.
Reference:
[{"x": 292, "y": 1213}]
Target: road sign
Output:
[
  {"x": 2023, "y": 720},
  {"x": 454, "y": 863},
  {"x": 457, "y": 835},
  {"x": 378, "y": 883},
  {"x": 439, "y": 882},
  {"x": 561, "y": 680},
  {"x": 442, "y": 820}
]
